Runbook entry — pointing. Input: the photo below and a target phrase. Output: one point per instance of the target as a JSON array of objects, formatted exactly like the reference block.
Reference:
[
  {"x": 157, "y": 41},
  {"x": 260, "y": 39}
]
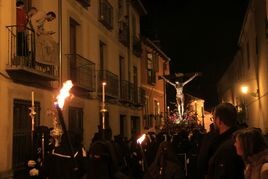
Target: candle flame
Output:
[
  {"x": 64, "y": 93},
  {"x": 141, "y": 139}
]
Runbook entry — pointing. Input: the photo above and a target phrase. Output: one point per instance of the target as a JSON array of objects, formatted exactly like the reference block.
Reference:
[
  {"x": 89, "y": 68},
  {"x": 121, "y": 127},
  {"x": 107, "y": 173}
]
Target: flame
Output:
[
  {"x": 141, "y": 139},
  {"x": 64, "y": 93}
]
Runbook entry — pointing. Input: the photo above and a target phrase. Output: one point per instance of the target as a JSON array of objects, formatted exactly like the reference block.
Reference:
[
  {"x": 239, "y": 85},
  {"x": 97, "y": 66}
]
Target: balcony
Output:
[
  {"x": 130, "y": 95},
  {"x": 137, "y": 46},
  {"x": 22, "y": 65},
  {"x": 112, "y": 88},
  {"x": 123, "y": 35},
  {"x": 82, "y": 74},
  {"x": 124, "y": 91},
  {"x": 137, "y": 96},
  {"x": 106, "y": 14}
]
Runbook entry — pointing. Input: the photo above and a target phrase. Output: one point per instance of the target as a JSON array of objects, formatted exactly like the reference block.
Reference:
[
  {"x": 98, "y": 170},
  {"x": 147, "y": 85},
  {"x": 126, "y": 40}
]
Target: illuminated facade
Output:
[
  {"x": 154, "y": 63},
  {"x": 97, "y": 41},
  {"x": 249, "y": 67}
]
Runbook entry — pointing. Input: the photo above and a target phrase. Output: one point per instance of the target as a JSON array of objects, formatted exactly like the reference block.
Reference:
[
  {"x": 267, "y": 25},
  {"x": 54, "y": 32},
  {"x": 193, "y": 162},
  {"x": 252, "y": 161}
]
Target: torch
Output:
[
  {"x": 64, "y": 93},
  {"x": 143, "y": 161}
]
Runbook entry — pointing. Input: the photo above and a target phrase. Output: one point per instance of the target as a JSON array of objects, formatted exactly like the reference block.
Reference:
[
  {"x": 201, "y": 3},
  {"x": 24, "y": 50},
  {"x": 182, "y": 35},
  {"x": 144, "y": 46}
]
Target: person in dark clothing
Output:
[
  {"x": 60, "y": 163},
  {"x": 224, "y": 162},
  {"x": 102, "y": 158},
  {"x": 165, "y": 165},
  {"x": 204, "y": 152}
]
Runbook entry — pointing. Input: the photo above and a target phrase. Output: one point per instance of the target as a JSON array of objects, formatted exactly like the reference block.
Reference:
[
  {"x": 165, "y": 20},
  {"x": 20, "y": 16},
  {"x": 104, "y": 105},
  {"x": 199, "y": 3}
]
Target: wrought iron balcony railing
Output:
[
  {"x": 137, "y": 95},
  {"x": 124, "y": 91},
  {"x": 22, "y": 62},
  {"x": 112, "y": 87},
  {"x": 82, "y": 72}
]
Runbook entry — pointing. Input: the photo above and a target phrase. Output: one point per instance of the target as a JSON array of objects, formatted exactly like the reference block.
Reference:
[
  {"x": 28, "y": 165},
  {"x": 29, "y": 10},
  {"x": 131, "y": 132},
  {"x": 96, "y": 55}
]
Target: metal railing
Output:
[
  {"x": 124, "y": 91},
  {"x": 112, "y": 87},
  {"x": 22, "y": 51},
  {"x": 82, "y": 71},
  {"x": 137, "y": 95}
]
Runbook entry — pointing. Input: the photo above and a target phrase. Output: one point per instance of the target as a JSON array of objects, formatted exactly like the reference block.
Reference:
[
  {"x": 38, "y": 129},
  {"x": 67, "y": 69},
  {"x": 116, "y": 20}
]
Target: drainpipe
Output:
[{"x": 60, "y": 40}]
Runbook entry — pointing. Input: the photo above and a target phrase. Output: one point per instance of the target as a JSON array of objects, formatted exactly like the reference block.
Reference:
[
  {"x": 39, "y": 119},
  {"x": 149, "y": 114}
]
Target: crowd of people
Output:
[{"x": 227, "y": 151}]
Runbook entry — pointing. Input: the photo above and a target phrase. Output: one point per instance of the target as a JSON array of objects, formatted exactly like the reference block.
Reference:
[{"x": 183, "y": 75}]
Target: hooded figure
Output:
[{"x": 165, "y": 165}]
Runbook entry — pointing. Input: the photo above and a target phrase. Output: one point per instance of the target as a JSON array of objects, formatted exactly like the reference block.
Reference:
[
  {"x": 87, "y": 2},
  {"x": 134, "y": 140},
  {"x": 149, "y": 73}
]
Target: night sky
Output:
[{"x": 198, "y": 36}]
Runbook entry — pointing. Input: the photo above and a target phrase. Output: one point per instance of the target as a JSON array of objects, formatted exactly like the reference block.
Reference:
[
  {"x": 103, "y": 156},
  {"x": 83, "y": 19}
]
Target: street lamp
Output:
[{"x": 245, "y": 90}]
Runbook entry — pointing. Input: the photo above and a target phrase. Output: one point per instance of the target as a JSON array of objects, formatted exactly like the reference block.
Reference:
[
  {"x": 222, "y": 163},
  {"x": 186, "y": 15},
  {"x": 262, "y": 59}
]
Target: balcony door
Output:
[
  {"x": 73, "y": 45},
  {"x": 22, "y": 144}
]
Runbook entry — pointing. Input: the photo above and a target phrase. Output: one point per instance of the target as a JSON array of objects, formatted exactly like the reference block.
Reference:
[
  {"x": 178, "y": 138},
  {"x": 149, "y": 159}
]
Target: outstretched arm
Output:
[
  {"x": 190, "y": 79},
  {"x": 166, "y": 80}
]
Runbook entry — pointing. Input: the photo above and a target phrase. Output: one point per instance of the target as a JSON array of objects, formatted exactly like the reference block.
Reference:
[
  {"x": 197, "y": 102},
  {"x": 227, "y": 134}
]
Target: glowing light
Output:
[
  {"x": 244, "y": 89},
  {"x": 64, "y": 93},
  {"x": 141, "y": 139}
]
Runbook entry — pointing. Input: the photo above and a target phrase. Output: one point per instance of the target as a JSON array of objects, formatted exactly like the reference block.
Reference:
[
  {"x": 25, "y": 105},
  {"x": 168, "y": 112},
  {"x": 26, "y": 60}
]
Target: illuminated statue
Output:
[{"x": 179, "y": 92}]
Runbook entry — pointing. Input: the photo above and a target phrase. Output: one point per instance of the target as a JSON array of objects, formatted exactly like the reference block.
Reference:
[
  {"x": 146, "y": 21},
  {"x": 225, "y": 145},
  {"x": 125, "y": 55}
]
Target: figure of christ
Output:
[{"x": 179, "y": 92}]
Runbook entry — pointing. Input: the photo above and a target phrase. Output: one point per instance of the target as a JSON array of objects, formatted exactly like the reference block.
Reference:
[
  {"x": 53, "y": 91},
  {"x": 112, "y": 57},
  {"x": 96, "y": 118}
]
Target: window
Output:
[
  {"x": 102, "y": 55},
  {"x": 76, "y": 121},
  {"x": 156, "y": 62},
  {"x": 22, "y": 144},
  {"x": 135, "y": 83},
  {"x": 121, "y": 68},
  {"x": 123, "y": 125},
  {"x": 150, "y": 69},
  {"x": 106, "y": 14}
]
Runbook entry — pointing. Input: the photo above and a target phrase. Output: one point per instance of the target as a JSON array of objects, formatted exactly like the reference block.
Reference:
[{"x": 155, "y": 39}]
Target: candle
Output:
[
  {"x": 202, "y": 108},
  {"x": 158, "y": 108},
  {"x": 103, "y": 92},
  {"x": 32, "y": 98}
]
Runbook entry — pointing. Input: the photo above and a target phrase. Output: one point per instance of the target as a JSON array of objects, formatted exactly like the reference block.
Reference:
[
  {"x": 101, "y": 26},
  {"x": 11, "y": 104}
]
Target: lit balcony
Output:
[
  {"x": 112, "y": 87},
  {"x": 22, "y": 65},
  {"x": 82, "y": 74}
]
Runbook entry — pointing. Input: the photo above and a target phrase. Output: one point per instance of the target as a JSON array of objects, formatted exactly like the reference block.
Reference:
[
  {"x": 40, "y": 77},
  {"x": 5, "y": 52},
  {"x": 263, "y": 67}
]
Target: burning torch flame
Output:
[
  {"x": 141, "y": 139},
  {"x": 64, "y": 93}
]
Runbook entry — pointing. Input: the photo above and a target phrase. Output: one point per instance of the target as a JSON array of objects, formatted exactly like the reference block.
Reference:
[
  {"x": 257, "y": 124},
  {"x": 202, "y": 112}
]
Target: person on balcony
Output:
[
  {"x": 31, "y": 39},
  {"x": 21, "y": 27},
  {"x": 46, "y": 46}
]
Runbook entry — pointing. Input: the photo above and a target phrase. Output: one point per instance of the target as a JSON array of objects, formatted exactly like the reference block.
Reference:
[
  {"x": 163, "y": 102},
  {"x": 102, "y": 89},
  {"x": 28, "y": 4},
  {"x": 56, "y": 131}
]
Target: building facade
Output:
[
  {"x": 249, "y": 69},
  {"x": 96, "y": 41},
  {"x": 154, "y": 63}
]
